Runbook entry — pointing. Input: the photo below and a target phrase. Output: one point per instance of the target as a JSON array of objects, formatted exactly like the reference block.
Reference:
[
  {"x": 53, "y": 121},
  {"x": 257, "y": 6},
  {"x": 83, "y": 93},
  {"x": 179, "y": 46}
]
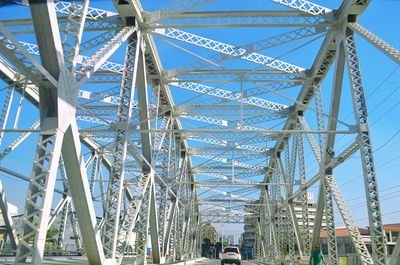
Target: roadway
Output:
[
  {"x": 82, "y": 261},
  {"x": 218, "y": 262},
  {"x": 60, "y": 260}
]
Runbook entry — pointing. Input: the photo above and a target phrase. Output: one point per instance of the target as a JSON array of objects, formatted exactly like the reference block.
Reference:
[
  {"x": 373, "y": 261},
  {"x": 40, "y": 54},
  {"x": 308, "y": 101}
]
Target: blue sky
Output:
[{"x": 381, "y": 78}]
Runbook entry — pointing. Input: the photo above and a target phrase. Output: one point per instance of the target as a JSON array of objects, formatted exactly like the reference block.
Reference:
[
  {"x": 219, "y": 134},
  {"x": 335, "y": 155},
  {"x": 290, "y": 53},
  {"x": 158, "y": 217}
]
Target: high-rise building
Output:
[
  {"x": 229, "y": 239},
  {"x": 249, "y": 234},
  {"x": 209, "y": 231}
]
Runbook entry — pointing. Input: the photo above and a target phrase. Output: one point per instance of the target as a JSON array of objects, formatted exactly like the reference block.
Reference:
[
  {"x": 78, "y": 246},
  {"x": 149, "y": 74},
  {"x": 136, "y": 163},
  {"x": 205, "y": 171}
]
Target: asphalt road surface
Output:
[
  {"x": 218, "y": 262},
  {"x": 82, "y": 261}
]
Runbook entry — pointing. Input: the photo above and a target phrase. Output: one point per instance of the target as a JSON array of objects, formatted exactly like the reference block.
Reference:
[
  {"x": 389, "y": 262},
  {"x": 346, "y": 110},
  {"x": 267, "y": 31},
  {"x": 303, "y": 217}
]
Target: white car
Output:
[{"x": 231, "y": 255}]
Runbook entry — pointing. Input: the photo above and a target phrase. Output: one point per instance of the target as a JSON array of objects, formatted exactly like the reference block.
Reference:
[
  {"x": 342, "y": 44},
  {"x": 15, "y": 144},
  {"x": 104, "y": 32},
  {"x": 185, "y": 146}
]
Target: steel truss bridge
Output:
[{"x": 126, "y": 147}]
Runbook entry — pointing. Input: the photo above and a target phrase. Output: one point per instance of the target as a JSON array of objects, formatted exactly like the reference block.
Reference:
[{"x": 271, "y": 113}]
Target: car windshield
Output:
[{"x": 231, "y": 250}]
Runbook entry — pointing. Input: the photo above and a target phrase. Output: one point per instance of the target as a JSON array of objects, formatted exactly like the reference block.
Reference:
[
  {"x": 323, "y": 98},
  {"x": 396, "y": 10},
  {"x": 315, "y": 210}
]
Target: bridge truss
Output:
[{"x": 127, "y": 150}]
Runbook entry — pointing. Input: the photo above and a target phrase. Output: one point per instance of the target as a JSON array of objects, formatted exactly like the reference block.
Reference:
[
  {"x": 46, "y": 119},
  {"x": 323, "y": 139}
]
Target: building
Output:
[
  {"x": 209, "y": 231},
  {"x": 248, "y": 237},
  {"x": 208, "y": 240},
  {"x": 12, "y": 211},
  {"x": 343, "y": 240},
  {"x": 229, "y": 239},
  {"x": 346, "y": 248},
  {"x": 392, "y": 232}
]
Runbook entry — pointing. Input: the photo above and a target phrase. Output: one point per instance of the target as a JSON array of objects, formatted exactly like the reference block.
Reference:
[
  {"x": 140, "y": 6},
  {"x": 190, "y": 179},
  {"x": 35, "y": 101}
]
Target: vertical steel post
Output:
[{"x": 364, "y": 139}]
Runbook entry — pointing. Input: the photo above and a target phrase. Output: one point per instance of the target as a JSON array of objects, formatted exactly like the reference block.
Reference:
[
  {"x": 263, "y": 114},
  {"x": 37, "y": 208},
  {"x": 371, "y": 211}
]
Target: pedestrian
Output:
[{"x": 317, "y": 257}]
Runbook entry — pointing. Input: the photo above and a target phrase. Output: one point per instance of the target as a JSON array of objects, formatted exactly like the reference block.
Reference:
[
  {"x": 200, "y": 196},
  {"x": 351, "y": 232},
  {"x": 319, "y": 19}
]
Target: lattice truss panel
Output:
[{"x": 241, "y": 123}]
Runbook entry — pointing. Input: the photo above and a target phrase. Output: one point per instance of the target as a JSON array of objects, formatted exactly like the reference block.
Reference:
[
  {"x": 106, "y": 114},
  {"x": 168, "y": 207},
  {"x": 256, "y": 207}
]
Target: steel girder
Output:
[
  {"x": 364, "y": 141},
  {"x": 300, "y": 5},
  {"x": 147, "y": 162},
  {"x": 55, "y": 136},
  {"x": 114, "y": 191},
  {"x": 214, "y": 19},
  {"x": 103, "y": 56},
  {"x": 11, "y": 232}
]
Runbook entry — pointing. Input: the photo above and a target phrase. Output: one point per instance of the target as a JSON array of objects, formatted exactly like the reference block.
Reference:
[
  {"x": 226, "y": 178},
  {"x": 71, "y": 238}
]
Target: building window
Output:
[{"x": 350, "y": 249}]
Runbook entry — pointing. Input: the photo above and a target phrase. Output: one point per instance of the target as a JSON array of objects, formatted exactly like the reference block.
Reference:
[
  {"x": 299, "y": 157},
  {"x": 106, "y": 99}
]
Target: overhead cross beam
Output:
[
  {"x": 230, "y": 50},
  {"x": 237, "y": 18}
]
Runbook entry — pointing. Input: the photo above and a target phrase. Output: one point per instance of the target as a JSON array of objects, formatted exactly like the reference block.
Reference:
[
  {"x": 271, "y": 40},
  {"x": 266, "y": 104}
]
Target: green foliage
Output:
[
  {"x": 51, "y": 233},
  {"x": 51, "y": 239}
]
